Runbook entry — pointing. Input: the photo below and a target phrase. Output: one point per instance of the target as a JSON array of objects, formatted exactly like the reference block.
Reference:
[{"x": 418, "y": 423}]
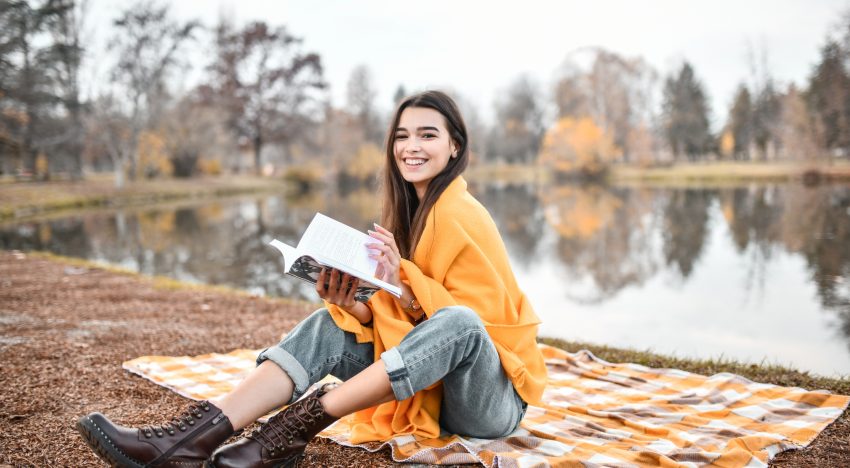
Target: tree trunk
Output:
[{"x": 258, "y": 146}]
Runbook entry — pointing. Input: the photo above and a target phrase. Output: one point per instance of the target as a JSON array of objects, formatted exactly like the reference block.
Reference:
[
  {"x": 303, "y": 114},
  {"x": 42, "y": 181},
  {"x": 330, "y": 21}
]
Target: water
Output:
[{"x": 759, "y": 273}]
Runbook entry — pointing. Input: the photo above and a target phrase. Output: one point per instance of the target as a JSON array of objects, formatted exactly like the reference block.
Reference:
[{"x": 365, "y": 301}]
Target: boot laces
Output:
[
  {"x": 181, "y": 422},
  {"x": 282, "y": 429}
]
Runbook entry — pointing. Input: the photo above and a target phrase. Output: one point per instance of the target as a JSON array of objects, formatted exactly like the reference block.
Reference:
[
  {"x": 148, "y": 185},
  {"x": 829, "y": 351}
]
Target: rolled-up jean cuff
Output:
[
  {"x": 397, "y": 372},
  {"x": 291, "y": 366}
]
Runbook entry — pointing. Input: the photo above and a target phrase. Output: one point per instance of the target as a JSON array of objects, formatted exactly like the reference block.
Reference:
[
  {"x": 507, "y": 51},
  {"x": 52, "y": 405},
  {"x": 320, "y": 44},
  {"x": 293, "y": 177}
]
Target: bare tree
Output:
[
  {"x": 266, "y": 84},
  {"x": 147, "y": 43},
  {"x": 519, "y": 122},
  {"x": 361, "y": 103}
]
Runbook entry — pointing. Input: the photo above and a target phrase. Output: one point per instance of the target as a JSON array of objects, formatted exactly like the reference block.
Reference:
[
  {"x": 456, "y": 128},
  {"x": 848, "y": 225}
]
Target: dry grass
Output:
[{"x": 24, "y": 200}]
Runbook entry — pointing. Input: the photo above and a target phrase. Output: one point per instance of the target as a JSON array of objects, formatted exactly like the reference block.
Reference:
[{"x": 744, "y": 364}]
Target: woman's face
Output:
[{"x": 422, "y": 146}]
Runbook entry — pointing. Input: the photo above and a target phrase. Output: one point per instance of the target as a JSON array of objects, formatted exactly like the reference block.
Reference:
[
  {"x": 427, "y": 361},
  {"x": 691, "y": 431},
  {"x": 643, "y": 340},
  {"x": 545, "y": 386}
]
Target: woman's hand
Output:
[
  {"x": 340, "y": 287},
  {"x": 388, "y": 257}
]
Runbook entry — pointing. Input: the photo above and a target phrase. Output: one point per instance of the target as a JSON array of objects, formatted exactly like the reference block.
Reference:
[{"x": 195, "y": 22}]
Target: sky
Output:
[{"x": 478, "y": 48}]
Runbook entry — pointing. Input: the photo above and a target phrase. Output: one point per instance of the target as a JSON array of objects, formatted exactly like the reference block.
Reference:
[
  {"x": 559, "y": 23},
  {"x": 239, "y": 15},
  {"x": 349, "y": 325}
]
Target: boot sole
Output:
[
  {"x": 291, "y": 463},
  {"x": 102, "y": 445}
]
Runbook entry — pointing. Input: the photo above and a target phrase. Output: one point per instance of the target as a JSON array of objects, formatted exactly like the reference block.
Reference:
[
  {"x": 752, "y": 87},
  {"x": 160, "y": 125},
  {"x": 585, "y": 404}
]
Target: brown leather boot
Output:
[
  {"x": 281, "y": 441},
  {"x": 185, "y": 441}
]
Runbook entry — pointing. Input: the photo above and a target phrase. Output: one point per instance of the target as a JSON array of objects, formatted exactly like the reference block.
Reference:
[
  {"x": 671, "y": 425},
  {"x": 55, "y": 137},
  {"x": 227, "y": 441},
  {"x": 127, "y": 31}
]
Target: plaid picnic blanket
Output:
[{"x": 595, "y": 414}]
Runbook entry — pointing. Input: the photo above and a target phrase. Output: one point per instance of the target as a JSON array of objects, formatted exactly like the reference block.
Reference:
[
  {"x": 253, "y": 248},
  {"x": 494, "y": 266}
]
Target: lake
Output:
[{"x": 757, "y": 272}]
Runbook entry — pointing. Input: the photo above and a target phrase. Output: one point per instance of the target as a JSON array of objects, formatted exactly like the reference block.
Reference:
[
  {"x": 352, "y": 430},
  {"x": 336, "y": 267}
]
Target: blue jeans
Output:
[{"x": 452, "y": 346}]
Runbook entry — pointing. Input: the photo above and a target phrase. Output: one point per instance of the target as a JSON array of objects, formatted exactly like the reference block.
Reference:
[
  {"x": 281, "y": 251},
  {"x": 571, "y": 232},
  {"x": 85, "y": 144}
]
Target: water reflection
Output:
[{"x": 579, "y": 250}]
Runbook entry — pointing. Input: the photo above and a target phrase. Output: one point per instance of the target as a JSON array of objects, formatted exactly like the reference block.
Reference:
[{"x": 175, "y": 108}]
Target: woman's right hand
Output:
[{"x": 337, "y": 290}]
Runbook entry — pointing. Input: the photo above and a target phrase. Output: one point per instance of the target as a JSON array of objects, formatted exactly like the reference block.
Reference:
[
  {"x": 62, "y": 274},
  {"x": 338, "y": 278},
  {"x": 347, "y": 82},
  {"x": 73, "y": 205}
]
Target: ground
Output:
[{"x": 65, "y": 328}]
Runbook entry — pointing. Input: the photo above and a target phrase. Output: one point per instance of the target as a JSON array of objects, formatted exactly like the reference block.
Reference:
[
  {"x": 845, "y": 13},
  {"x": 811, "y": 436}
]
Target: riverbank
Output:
[
  {"x": 680, "y": 174},
  {"x": 68, "y": 324},
  {"x": 22, "y": 201},
  {"x": 25, "y": 200}
]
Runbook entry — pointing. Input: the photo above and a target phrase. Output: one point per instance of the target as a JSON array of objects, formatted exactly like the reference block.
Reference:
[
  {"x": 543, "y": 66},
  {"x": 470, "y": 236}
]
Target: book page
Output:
[
  {"x": 289, "y": 253},
  {"x": 328, "y": 238}
]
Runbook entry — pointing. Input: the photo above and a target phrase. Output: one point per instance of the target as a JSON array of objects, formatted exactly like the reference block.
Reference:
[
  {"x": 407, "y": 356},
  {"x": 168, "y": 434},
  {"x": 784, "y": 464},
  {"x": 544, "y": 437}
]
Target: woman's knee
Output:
[
  {"x": 315, "y": 324},
  {"x": 460, "y": 317}
]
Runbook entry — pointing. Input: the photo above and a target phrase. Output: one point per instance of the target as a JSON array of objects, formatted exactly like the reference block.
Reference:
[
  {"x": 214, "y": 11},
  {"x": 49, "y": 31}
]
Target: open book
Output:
[{"x": 330, "y": 243}]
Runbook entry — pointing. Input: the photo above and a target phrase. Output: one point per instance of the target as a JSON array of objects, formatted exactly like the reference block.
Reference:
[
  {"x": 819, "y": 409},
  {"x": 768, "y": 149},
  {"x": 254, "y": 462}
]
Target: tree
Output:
[
  {"x": 766, "y": 115},
  {"x": 147, "y": 43},
  {"x": 797, "y": 130},
  {"x": 265, "y": 83},
  {"x": 361, "y": 103},
  {"x": 67, "y": 55},
  {"x": 578, "y": 145},
  {"x": 192, "y": 130},
  {"x": 27, "y": 94},
  {"x": 616, "y": 93},
  {"x": 741, "y": 122},
  {"x": 685, "y": 114},
  {"x": 519, "y": 122},
  {"x": 829, "y": 98}
]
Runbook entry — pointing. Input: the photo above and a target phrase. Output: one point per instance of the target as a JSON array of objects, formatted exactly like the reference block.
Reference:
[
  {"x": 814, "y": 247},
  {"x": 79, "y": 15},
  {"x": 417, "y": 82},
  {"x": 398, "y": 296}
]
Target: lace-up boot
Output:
[
  {"x": 185, "y": 441},
  {"x": 281, "y": 441}
]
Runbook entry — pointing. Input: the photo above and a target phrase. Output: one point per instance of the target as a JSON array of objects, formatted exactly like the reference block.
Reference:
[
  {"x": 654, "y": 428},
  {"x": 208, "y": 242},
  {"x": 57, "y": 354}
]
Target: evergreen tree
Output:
[
  {"x": 828, "y": 97},
  {"x": 741, "y": 122},
  {"x": 685, "y": 114}
]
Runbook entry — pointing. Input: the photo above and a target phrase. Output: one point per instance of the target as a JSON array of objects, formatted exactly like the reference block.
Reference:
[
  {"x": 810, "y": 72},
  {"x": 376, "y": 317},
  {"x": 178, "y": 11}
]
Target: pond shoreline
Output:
[
  {"x": 27, "y": 200},
  {"x": 69, "y": 323}
]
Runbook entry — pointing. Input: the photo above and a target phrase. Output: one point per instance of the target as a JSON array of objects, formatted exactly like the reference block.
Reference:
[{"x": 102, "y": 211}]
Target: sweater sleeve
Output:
[{"x": 349, "y": 323}]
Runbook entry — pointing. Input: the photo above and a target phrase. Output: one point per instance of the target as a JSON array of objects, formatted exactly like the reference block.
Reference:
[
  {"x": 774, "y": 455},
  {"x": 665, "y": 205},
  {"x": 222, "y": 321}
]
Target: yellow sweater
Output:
[{"x": 460, "y": 260}]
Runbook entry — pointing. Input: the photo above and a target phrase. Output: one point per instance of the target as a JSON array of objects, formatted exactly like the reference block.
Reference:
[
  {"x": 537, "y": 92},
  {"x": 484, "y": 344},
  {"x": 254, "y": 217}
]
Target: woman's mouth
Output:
[{"x": 414, "y": 162}]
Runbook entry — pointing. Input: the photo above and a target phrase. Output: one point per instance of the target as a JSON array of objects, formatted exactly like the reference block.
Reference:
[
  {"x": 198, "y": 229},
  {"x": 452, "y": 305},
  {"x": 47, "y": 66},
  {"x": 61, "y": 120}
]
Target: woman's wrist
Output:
[{"x": 409, "y": 304}]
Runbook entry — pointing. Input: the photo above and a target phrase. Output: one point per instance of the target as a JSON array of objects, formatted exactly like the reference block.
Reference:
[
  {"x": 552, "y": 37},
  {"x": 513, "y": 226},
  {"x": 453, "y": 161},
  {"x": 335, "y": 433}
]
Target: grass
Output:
[
  {"x": 20, "y": 201},
  {"x": 679, "y": 174},
  {"x": 763, "y": 372}
]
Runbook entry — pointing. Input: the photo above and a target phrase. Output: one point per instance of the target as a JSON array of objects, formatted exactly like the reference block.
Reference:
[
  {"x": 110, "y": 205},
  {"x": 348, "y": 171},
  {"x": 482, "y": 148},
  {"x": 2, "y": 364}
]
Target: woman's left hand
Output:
[{"x": 389, "y": 258}]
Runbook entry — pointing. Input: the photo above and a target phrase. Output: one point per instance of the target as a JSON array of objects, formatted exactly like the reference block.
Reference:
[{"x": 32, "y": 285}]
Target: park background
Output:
[{"x": 667, "y": 176}]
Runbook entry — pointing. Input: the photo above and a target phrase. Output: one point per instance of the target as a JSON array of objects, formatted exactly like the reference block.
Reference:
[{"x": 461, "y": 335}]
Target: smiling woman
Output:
[{"x": 410, "y": 365}]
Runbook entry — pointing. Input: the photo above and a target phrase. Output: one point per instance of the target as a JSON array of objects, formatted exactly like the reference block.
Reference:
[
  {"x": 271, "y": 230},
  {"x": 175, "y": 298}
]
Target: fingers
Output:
[
  {"x": 320, "y": 284},
  {"x": 349, "y": 298},
  {"x": 385, "y": 237},
  {"x": 340, "y": 289}
]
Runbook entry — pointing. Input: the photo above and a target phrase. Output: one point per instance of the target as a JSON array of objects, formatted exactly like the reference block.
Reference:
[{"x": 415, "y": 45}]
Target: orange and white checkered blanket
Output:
[{"x": 595, "y": 414}]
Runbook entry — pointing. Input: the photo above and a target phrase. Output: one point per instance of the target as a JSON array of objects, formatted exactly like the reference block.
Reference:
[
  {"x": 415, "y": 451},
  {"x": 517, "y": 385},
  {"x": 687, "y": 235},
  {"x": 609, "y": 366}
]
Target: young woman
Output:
[{"x": 455, "y": 354}]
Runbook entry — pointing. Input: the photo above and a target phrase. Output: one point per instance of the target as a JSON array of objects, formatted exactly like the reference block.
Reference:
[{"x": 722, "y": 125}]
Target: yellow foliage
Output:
[
  {"x": 727, "y": 143},
  {"x": 578, "y": 145},
  {"x": 41, "y": 164},
  {"x": 45, "y": 233},
  {"x": 209, "y": 166},
  {"x": 153, "y": 155},
  {"x": 156, "y": 230},
  {"x": 367, "y": 162},
  {"x": 578, "y": 212}
]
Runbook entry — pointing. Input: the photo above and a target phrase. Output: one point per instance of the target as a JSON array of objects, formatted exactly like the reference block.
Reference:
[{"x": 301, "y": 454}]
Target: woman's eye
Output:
[
  {"x": 401, "y": 137},
  {"x": 429, "y": 135}
]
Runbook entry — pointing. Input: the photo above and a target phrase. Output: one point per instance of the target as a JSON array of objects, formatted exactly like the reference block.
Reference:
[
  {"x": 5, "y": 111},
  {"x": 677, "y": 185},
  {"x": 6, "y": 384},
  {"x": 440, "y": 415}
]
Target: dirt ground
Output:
[{"x": 64, "y": 331}]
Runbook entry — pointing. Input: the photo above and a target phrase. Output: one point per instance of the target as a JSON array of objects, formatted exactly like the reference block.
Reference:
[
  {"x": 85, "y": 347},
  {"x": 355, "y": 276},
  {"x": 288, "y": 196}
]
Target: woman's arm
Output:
[{"x": 360, "y": 311}]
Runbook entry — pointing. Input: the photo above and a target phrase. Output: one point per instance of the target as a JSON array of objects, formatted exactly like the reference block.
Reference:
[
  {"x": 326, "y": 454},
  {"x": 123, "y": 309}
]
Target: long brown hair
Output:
[{"x": 403, "y": 214}]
